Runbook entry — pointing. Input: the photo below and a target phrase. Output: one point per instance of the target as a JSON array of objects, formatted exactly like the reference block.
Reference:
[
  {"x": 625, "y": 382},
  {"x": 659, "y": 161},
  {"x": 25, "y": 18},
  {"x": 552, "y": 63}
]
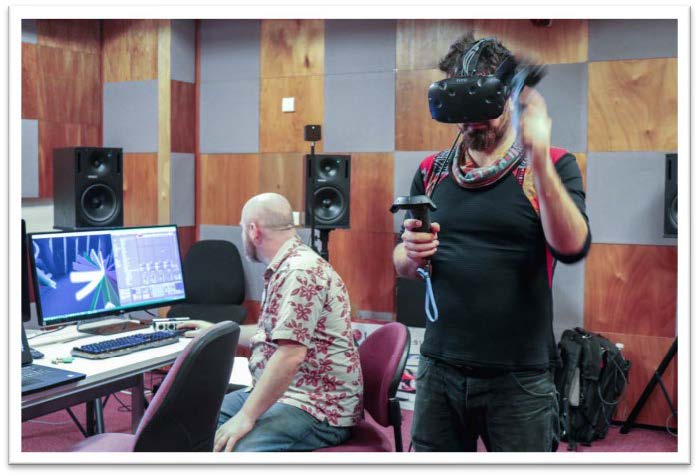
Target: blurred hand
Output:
[
  {"x": 233, "y": 430},
  {"x": 419, "y": 246},
  {"x": 194, "y": 327},
  {"x": 535, "y": 125}
]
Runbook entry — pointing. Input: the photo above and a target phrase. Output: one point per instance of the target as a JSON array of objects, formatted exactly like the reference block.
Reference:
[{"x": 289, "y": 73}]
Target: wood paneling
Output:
[
  {"x": 77, "y": 35},
  {"x": 372, "y": 192},
  {"x": 140, "y": 189},
  {"x": 415, "y": 128},
  {"x": 645, "y": 354},
  {"x": 581, "y": 158},
  {"x": 164, "y": 118},
  {"x": 632, "y": 105},
  {"x": 364, "y": 261},
  {"x": 187, "y": 236},
  {"x": 283, "y": 131},
  {"x": 291, "y": 48},
  {"x": 631, "y": 289},
  {"x": 54, "y": 135},
  {"x": 420, "y": 44},
  {"x": 130, "y": 50},
  {"x": 182, "y": 117},
  {"x": 68, "y": 86},
  {"x": 284, "y": 174},
  {"x": 226, "y": 182},
  {"x": 565, "y": 41},
  {"x": 30, "y": 81}
]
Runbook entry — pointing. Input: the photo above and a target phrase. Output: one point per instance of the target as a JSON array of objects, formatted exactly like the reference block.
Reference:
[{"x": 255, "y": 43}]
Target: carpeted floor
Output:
[{"x": 57, "y": 432}]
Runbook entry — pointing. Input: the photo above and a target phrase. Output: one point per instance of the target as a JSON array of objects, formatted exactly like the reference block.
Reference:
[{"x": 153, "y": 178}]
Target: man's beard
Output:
[
  {"x": 488, "y": 137},
  {"x": 250, "y": 251}
]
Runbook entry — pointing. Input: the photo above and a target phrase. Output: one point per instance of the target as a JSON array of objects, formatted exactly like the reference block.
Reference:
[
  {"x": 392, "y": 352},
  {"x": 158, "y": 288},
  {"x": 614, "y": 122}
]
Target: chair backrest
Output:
[
  {"x": 383, "y": 355},
  {"x": 213, "y": 273},
  {"x": 183, "y": 413}
]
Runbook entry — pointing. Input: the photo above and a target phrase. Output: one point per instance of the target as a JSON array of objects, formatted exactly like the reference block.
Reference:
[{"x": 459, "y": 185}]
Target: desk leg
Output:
[
  {"x": 99, "y": 416},
  {"x": 94, "y": 417},
  {"x": 137, "y": 403}
]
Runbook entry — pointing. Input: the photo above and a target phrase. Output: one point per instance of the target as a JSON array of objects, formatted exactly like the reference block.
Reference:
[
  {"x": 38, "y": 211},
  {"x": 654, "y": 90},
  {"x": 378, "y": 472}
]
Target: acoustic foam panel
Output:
[
  {"x": 29, "y": 31},
  {"x": 564, "y": 89},
  {"x": 182, "y": 189},
  {"x": 182, "y": 50},
  {"x": 30, "y": 158},
  {"x": 360, "y": 112},
  {"x": 131, "y": 116},
  {"x": 360, "y": 46},
  {"x": 230, "y": 49},
  {"x": 568, "y": 296},
  {"x": 404, "y": 167},
  {"x": 229, "y": 116},
  {"x": 626, "y": 197},
  {"x": 632, "y": 38}
]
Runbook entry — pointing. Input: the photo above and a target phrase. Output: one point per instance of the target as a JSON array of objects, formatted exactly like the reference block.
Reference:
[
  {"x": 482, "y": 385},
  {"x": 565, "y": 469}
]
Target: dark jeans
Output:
[{"x": 513, "y": 411}]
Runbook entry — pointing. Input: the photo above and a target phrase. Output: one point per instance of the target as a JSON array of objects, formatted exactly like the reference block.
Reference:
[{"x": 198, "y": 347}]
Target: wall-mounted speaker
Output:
[
  {"x": 88, "y": 188},
  {"x": 670, "y": 230},
  {"x": 328, "y": 191}
]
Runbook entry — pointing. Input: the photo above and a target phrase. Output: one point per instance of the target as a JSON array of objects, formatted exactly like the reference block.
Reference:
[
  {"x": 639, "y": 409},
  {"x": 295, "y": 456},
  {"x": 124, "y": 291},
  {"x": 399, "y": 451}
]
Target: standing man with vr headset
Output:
[{"x": 508, "y": 207}]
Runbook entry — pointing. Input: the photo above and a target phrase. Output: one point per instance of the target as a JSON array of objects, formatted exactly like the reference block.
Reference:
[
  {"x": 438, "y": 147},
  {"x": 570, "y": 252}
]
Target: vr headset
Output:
[{"x": 471, "y": 98}]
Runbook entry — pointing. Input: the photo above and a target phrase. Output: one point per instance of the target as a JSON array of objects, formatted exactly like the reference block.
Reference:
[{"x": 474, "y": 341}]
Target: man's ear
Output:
[{"x": 255, "y": 233}]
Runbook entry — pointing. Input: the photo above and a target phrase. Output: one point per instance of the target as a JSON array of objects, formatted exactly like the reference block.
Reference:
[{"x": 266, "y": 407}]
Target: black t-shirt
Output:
[{"x": 490, "y": 274}]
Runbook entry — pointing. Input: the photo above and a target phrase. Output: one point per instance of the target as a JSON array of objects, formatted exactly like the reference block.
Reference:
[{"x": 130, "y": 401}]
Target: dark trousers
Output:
[{"x": 513, "y": 411}]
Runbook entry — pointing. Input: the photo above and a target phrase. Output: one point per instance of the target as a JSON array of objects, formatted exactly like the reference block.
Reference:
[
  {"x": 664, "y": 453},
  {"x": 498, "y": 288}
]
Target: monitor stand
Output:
[{"x": 112, "y": 325}]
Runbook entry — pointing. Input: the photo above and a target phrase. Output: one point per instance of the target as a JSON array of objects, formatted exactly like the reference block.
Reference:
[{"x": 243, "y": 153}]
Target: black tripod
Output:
[{"x": 656, "y": 379}]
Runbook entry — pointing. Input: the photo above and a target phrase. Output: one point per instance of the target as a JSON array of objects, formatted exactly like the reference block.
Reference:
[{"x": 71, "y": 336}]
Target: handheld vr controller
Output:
[{"x": 419, "y": 206}]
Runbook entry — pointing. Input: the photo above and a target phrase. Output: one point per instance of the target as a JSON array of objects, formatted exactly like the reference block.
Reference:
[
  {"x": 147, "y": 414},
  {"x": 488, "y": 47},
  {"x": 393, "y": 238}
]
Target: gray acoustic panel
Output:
[
  {"x": 405, "y": 165},
  {"x": 29, "y": 31},
  {"x": 30, "y": 158},
  {"x": 130, "y": 117},
  {"x": 183, "y": 50},
  {"x": 254, "y": 272},
  {"x": 360, "y": 46},
  {"x": 230, "y": 49},
  {"x": 182, "y": 189},
  {"x": 565, "y": 90},
  {"x": 631, "y": 39},
  {"x": 360, "y": 113},
  {"x": 230, "y": 116},
  {"x": 568, "y": 296},
  {"x": 626, "y": 197}
]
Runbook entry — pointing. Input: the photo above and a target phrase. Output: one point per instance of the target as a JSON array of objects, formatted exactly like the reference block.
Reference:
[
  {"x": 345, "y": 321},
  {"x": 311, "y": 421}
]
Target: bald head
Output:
[{"x": 269, "y": 210}]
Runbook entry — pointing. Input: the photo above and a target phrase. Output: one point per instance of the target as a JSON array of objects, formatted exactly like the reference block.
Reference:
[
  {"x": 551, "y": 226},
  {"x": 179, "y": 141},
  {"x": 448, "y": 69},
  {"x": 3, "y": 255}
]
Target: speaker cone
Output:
[
  {"x": 98, "y": 163},
  {"x": 672, "y": 211},
  {"x": 98, "y": 203},
  {"x": 328, "y": 204},
  {"x": 328, "y": 168}
]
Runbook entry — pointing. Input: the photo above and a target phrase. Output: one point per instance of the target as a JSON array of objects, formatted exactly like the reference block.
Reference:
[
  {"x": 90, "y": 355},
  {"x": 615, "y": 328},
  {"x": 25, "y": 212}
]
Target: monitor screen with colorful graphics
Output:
[{"x": 80, "y": 275}]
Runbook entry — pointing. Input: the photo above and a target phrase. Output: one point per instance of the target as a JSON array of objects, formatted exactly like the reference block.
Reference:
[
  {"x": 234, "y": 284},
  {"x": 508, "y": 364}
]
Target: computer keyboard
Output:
[{"x": 125, "y": 345}]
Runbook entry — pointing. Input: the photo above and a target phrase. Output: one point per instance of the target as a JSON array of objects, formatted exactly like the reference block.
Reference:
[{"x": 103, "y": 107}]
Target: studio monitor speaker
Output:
[
  {"x": 670, "y": 230},
  {"x": 87, "y": 188},
  {"x": 328, "y": 191}
]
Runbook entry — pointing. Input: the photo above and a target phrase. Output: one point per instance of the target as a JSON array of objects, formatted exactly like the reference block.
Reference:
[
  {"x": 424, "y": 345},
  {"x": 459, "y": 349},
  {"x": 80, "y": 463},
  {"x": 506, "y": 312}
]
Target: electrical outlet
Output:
[{"x": 287, "y": 104}]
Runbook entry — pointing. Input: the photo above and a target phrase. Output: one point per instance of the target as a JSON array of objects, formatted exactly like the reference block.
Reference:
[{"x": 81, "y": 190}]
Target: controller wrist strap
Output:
[{"x": 431, "y": 310}]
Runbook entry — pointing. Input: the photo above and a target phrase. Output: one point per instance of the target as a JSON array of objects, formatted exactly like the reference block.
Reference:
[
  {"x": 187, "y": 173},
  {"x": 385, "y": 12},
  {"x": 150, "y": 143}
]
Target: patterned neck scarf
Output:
[{"x": 469, "y": 175}]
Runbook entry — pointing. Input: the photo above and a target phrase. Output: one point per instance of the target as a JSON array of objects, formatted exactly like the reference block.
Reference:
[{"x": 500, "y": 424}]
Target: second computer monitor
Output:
[{"x": 80, "y": 275}]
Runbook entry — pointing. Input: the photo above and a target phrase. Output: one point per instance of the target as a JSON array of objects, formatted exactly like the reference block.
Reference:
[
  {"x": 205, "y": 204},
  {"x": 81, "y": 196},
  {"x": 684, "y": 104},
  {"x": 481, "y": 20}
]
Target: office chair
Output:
[
  {"x": 214, "y": 281},
  {"x": 183, "y": 413},
  {"x": 383, "y": 355}
]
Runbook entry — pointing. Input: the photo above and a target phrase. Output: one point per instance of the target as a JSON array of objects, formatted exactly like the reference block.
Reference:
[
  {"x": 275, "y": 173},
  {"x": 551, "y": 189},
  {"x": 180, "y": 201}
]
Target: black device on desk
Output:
[{"x": 26, "y": 306}]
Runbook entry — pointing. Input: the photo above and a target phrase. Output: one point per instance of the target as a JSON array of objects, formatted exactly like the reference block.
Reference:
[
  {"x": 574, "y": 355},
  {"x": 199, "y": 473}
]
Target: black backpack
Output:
[{"x": 589, "y": 383}]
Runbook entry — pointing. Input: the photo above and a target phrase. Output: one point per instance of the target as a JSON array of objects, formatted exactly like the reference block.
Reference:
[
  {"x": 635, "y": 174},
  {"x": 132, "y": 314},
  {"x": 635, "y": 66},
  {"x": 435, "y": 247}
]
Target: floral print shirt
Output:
[{"x": 305, "y": 301}]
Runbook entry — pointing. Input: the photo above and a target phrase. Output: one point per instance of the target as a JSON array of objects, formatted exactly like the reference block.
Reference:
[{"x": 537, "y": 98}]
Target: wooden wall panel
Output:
[
  {"x": 54, "y": 135},
  {"x": 364, "y": 261},
  {"x": 76, "y": 35},
  {"x": 68, "y": 86},
  {"x": 581, "y": 158},
  {"x": 565, "y": 41},
  {"x": 645, "y": 353},
  {"x": 284, "y": 174},
  {"x": 415, "y": 128},
  {"x": 183, "y": 126},
  {"x": 291, "y": 48},
  {"x": 372, "y": 192},
  {"x": 140, "y": 189},
  {"x": 226, "y": 182},
  {"x": 283, "y": 131},
  {"x": 164, "y": 120},
  {"x": 30, "y": 81},
  {"x": 187, "y": 236},
  {"x": 631, "y": 289},
  {"x": 632, "y": 105},
  {"x": 420, "y": 44},
  {"x": 130, "y": 50}
]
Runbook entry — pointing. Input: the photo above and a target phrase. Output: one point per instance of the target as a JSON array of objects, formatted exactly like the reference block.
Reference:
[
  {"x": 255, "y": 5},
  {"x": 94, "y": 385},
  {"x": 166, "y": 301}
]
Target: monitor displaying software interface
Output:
[{"x": 82, "y": 275}]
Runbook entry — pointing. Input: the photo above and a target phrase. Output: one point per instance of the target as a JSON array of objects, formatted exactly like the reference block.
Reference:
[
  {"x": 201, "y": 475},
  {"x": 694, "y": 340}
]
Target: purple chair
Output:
[
  {"x": 383, "y": 355},
  {"x": 183, "y": 413}
]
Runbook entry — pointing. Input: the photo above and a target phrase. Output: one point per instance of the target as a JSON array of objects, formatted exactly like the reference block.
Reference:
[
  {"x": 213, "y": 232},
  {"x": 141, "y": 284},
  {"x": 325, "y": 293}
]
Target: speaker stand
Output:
[
  {"x": 324, "y": 238},
  {"x": 655, "y": 380}
]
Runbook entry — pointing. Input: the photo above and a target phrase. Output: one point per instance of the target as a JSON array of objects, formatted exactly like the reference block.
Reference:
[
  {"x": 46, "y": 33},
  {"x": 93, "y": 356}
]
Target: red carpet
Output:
[{"x": 57, "y": 432}]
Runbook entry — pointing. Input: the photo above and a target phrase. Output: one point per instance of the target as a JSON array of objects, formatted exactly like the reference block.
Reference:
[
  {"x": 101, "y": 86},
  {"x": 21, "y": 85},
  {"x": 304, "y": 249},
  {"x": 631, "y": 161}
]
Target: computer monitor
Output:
[
  {"x": 26, "y": 307},
  {"x": 82, "y": 275}
]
